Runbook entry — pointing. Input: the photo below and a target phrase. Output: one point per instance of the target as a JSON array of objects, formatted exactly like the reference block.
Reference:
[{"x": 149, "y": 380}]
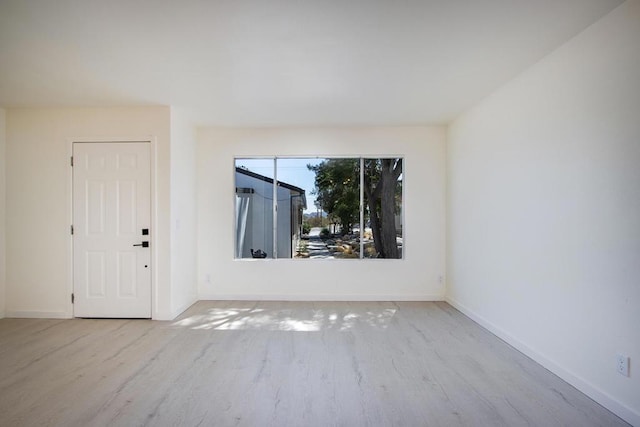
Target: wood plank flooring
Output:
[{"x": 239, "y": 363}]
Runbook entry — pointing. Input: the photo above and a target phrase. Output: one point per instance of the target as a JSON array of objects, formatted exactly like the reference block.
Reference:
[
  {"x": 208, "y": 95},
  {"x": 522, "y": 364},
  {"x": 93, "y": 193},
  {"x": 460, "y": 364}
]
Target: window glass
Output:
[
  {"x": 295, "y": 184},
  {"x": 382, "y": 236},
  {"x": 316, "y": 212},
  {"x": 336, "y": 193},
  {"x": 254, "y": 208}
]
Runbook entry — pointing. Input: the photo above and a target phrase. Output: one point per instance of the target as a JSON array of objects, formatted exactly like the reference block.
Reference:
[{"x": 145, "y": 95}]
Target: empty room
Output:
[{"x": 318, "y": 213}]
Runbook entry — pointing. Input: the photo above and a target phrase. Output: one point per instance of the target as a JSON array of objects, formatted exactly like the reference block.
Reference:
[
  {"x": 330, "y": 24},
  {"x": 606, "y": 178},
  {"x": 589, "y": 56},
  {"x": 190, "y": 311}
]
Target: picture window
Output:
[{"x": 319, "y": 208}]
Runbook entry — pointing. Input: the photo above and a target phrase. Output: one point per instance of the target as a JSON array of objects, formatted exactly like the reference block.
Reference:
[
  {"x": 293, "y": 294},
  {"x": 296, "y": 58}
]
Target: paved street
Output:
[{"x": 317, "y": 249}]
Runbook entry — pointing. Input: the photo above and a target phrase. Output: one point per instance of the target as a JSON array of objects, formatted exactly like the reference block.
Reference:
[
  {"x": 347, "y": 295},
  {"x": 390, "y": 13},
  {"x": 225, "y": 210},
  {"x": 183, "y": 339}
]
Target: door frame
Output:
[{"x": 152, "y": 140}]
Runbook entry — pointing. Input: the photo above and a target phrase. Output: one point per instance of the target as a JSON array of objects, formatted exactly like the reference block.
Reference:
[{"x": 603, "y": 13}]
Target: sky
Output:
[{"x": 293, "y": 171}]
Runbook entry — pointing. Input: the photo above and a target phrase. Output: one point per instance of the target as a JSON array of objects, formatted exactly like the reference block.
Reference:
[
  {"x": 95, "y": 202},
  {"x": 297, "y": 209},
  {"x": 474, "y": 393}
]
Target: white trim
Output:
[
  {"x": 403, "y": 208},
  {"x": 274, "y": 207},
  {"x": 317, "y": 297},
  {"x": 232, "y": 199},
  {"x": 160, "y": 315},
  {"x": 184, "y": 307},
  {"x": 153, "y": 141},
  {"x": 38, "y": 314},
  {"x": 361, "y": 158},
  {"x": 361, "y": 213},
  {"x": 600, "y": 396},
  {"x": 153, "y": 233},
  {"x": 69, "y": 196}
]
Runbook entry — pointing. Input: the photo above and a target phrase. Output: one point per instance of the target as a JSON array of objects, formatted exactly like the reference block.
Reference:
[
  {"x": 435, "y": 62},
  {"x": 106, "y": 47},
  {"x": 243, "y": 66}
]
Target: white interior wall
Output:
[
  {"x": 183, "y": 213},
  {"x": 544, "y": 211},
  {"x": 3, "y": 270},
  {"x": 415, "y": 277},
  {"x": 38, "y": 200}
]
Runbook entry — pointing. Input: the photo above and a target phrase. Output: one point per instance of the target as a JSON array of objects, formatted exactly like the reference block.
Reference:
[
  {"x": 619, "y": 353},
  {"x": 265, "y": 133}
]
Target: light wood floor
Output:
[{"x": 280, "y": 364}]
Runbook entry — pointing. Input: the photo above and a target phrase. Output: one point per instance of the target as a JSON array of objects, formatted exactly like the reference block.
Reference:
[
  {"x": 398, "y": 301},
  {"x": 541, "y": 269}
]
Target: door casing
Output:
[{"x": 152, "y": 140}]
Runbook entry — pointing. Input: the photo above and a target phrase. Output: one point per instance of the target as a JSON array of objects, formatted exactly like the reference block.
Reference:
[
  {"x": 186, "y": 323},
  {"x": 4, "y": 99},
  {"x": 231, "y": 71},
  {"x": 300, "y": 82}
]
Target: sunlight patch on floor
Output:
[{"x": 230, "y": 319}]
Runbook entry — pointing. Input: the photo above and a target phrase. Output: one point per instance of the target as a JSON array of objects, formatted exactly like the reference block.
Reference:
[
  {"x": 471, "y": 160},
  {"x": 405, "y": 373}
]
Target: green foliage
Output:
[
  {"x": 325, "y": 233},
  {"x": 338, "y": 193},
  {"x": 337, "y": 189},
  {"x": 316, "y": 221},
  {"x": 306, "y": 228}
]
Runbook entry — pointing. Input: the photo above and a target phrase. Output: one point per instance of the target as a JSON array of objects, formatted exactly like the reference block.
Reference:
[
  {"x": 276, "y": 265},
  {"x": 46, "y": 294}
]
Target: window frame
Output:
[{"x": 361, "y": 159}]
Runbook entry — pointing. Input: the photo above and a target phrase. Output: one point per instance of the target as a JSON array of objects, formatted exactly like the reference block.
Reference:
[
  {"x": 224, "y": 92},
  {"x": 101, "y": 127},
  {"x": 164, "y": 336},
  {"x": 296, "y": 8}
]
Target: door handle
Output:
[{"x": 143, "y": 244}]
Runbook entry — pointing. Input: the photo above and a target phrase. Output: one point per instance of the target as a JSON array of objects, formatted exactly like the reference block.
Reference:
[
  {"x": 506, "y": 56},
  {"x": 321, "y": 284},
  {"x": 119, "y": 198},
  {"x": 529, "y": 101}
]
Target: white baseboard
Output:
[
  {"x": 161, "y": 315},
  {"x": 171, "y": 315},
  {"x": 623, "y": 411},
  {"x": 38, "y": 314},
  {"x": 181, "y": 309},
  {"x": 315, "y": 297}
]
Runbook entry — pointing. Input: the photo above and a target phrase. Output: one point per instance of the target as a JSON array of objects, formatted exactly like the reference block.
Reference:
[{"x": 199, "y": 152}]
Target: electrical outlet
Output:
[{"x": 622, "y": 365}]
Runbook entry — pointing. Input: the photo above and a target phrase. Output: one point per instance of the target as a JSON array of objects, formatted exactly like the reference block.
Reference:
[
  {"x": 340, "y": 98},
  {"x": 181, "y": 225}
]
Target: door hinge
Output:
[
  {"x": 73, "y": 298},
  {"x": 72, "y": 230},
  {"x": 72, "y": 161}
]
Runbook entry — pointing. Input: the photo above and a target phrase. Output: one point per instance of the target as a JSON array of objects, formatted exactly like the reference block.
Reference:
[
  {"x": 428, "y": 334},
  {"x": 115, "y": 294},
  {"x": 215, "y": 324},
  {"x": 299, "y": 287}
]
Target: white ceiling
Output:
[{"x": 279, "y": 62}]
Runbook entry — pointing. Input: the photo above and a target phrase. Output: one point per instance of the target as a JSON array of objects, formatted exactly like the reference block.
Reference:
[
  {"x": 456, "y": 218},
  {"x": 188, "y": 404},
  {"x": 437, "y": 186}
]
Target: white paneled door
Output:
[{"x": 111, "y": 223}]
